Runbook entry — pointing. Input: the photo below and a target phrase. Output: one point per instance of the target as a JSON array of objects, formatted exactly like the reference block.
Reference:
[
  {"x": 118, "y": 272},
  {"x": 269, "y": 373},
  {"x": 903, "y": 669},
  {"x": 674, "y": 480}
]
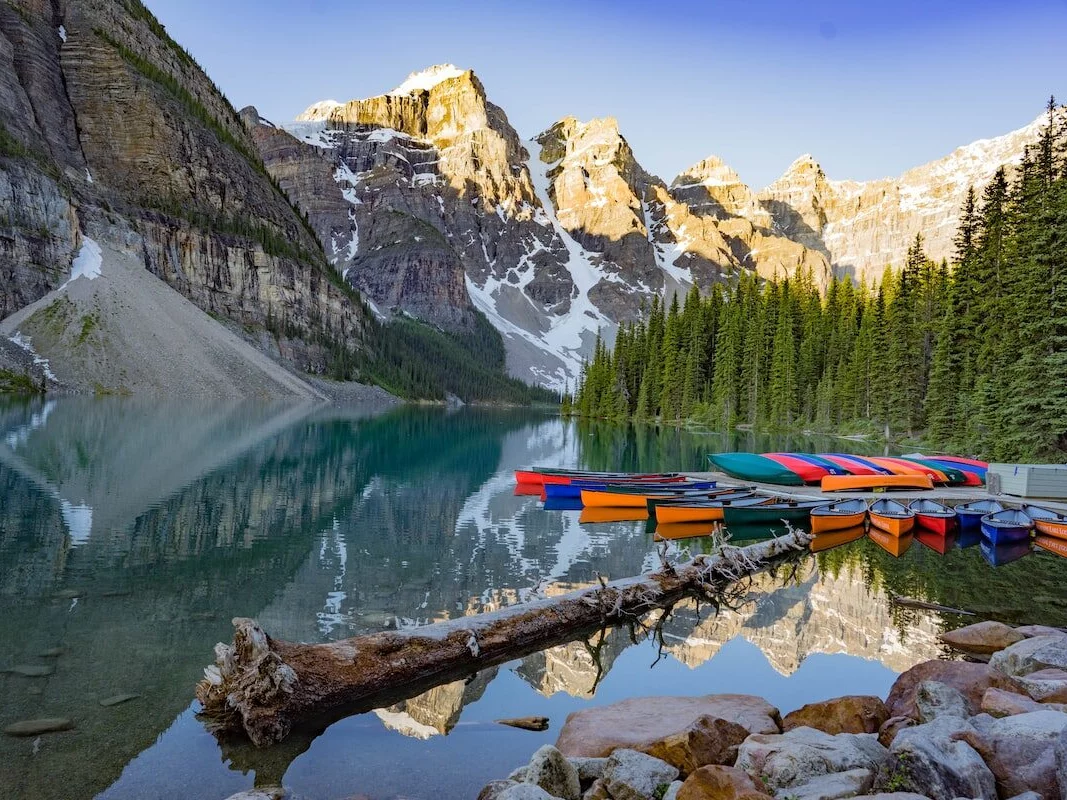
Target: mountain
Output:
[{"x": 429, "y": 202}]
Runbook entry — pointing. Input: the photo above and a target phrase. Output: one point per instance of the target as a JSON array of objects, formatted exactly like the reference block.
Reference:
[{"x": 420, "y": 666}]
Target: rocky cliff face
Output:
[{"x": 109, "y": 128}]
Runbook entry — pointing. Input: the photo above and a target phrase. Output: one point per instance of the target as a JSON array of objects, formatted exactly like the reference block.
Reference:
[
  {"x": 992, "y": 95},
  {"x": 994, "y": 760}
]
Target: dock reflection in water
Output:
[{"x": 131, "y": 533}]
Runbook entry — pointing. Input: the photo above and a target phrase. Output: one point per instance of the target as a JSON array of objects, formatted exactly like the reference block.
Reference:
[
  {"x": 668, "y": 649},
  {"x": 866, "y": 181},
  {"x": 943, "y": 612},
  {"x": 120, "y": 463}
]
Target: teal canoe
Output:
[
  {"x": 754, "y": 467},
  {"x": 775, "y": 512}
]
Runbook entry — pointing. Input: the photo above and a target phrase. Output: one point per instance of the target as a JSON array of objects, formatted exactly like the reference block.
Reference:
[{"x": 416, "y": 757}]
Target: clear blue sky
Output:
[{"x": 869, "y": 88}]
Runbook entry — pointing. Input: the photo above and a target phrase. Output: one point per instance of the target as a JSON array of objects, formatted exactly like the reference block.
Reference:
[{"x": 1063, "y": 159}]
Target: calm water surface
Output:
[{"x": 131, "y": 533}]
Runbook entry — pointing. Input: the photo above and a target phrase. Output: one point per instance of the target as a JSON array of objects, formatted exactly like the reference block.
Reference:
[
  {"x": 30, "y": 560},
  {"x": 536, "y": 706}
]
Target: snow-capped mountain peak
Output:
[{"x": 424, "y": 80}]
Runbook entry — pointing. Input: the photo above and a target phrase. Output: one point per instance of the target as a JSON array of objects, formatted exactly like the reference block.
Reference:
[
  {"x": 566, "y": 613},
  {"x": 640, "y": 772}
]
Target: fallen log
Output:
[{"x": 264, "y": 687}]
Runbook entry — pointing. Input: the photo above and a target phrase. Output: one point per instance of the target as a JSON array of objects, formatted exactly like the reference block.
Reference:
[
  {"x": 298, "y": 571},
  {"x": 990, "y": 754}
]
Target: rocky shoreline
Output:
[{"x": 993, "y": 727}]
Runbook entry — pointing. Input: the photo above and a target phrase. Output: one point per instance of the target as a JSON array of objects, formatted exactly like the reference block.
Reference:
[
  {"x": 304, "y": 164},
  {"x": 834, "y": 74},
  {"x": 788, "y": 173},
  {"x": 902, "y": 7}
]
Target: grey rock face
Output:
[
  {"x": 935, "y": 699},
  {"x": 524, "y": 791},
  {"x": 1021, "y": 750},
  {"x": 831, "y": 787},
  {"x": 1031, "y": 655},
  {"x": 630, "y": 775},
  {"x": 803, "y": 754},
  {"x": 934, "y": 760}
]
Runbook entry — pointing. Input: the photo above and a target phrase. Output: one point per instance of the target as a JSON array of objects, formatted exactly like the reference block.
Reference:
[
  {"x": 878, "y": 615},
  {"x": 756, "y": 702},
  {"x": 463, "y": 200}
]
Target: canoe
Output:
[
  {"x": 562, "y": 504},
  {"x": 706, "y": 511},
  {"x": 1001, "y": 554},
  {"x": 896, "y": 546},
  {"x": 627, "y": 496},
  {"x": 592, "y": 515},
  {"x": 771, "y": 512},
  {"x": 853, "y": 466},
  {"x": 822, "y": 461},
  {"x": 1010, "y": 525},
  {"x": 892, "y": 517},
  {"x": 972, "y": 476},
  {"x": 754, "y": 467},
  {"x": 1047, "y": 521},
  {"x": 574, "y": 488},
  {"x": 953, "y": 476},
  {"x": 845, "y": 483},
  {"x": 828, "y": 541},
  {"x": 538, "y": 475},
  {"x": 733, "y": 493},
  {"x": 967, "y": 462},
  {"x": 1051, "y": 544},
  {"x": 808, "y": 472},
  {"x": 938, "y": 542},
  {"x": 899, "y": 466},
  {"x": 684, "y": 530},
  {"x": 863, "y": 461},
  {"x": 838, "y": 516},
  {"x": 623, "y": 477},
  {"x": 934, "y": 516},
  {"x": 970, "y": 514}
]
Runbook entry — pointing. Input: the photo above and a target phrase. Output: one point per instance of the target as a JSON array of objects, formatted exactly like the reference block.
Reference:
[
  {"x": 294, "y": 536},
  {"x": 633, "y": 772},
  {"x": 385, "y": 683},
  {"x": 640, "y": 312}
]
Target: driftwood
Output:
[{"x": 264, "y": 687}]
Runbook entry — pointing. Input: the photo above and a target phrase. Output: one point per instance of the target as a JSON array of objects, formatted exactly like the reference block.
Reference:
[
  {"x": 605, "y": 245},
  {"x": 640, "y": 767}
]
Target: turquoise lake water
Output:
[{"x": 132, "y": 532}]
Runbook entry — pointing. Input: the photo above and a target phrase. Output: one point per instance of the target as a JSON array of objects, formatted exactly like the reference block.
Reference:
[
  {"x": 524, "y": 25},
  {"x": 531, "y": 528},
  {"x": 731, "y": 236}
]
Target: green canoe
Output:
[
  {"x": 753, "y": 467},
  {"x": 954, "y": 476},
  {"x": 776, "y": 512}
]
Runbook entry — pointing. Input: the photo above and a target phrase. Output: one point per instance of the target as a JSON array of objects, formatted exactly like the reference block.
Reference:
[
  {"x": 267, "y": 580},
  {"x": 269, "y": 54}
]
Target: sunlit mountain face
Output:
[{"x": 131, "y": 533}]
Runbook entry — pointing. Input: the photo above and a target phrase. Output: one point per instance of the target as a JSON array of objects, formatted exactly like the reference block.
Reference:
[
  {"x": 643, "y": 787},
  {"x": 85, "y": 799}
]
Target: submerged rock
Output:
[
  {"x": 982, "y": 637},
  {"x": 35, "y": 727},
  {"x": 32, "y": 670},
  {"x": 116, "y": 699},
  {"x": 630, "y": 775},
  {"x": 54, "y": 652},
  {"x": 850, "y": 714},
  {"x": 722, "y": 783}
]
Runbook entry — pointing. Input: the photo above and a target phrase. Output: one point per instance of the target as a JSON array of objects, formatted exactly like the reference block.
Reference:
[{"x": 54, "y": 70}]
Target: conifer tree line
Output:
[{"x": 970, "y": 355}]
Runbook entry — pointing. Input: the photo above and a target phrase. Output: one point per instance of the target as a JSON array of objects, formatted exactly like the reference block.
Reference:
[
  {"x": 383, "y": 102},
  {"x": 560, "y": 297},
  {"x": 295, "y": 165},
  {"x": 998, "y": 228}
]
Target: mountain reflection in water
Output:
[{"x": 132, "y": 532}]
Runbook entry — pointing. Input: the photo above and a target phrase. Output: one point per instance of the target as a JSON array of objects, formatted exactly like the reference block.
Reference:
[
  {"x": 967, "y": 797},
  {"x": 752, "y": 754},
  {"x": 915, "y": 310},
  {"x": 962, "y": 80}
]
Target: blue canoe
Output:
[
  {"x": 970, "y": 514},
  {"x": 1004, "y": 527},
  {"x": 878, "y": 468},
  {"x": 574, "y": 488},
  {"x": 830, "y": 467}
]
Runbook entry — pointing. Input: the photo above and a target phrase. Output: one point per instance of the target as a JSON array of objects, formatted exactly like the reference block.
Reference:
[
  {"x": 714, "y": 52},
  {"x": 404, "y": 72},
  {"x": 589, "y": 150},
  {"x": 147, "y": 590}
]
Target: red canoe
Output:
[
  {"x": 805, "y": 470},
  {"x": 853, "y": 467}
]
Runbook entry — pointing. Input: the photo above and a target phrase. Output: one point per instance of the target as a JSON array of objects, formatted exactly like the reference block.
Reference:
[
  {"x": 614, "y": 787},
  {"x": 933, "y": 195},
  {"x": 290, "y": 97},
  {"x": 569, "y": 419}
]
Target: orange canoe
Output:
[
  {"x": 707, "y": 511},
  {"x": 1052, "y": 544},
  {"x": 838, "y": 516},
  {"x": 828, "y": 541},
  {"x": 892, "y": 517},
  {"x": 1047, "y": 521},
  {"x": 844, "y": 483},
  {"x": 896, "y": 546},
  {"x": 596, "y": 498}
]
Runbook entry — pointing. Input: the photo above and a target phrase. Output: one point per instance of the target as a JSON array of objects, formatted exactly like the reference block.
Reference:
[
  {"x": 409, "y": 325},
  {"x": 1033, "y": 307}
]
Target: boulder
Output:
[
  {"x": 934, "y": 699},
  {"x": 630, "y": 775},
  {"x": 688, "y": 732},
  {"x": 998, "y": 703},
  {"x": 518, "y": 775},
  {"x": 493, "y": 790},
  {"x": 672, "y": 790},
  {"x": 1021, "y": 750},
  {"x": 849, "y": 714},
  {"x": 598, "y": 791},
  {"x": 1026, "y": 796},
  {"x": 970, "y": 679},
  {"x": 831, "y": 787},
  {"x": 265, "y": 793},
  {"x": 891, "y": 727},
  {"x": 1060, "y": 753},
  {"x": 553, "y": 773},
  {"x": 1031, "y": 655},
  {"x": 1045, "y": 685},
  {"x": 796, "y": 757},
  {"x": 524, "y": 791},
  {"x": 931, "y": 759},
  {"x": 589, "y": 769},
  {"x": 35, "y": 727},
  {"x": 895, "y": 796},
  {"x": 983, "y": 637},
  {"x": 1040, "y": 630},
  {"x": 722, "y": 783}
]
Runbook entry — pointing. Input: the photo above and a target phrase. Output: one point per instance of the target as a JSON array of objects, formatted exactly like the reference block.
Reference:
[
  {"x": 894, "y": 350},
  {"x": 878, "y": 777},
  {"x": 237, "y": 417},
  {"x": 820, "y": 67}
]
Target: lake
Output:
[{"x": 131, "y": 532}]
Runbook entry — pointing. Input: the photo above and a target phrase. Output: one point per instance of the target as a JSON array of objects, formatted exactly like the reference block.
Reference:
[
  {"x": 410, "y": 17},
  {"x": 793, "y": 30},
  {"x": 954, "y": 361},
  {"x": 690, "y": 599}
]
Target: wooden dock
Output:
[{"x": 949, "y": 495}]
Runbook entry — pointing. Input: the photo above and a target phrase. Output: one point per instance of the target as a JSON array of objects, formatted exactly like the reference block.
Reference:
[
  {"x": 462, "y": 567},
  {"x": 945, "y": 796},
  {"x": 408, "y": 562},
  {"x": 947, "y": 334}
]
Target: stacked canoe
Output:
[{"x": 843, "y": 472}]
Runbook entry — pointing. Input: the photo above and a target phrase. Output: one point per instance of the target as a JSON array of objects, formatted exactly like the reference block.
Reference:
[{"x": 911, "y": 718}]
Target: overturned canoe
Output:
[
  {"x": 808, "y": 471},
  {"x": 934, "y": 516},
  {"x": 952, "y": 475},
  {"x": 892, "y": 517},
  {"x": 846, "y": 483},
  {"x": 899, "y": 466},
  {"x": 842, "y": 515},
  {"x": 754, "y": 467},
  {"x": 854, "y": 466}
]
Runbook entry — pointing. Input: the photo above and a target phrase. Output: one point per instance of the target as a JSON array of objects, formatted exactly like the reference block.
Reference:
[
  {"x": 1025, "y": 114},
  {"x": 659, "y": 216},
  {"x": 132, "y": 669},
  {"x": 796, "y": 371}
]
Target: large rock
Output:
[
  {"x": 970, "y": 679},
  {"x": 589, "y": 769},
  {"x": 849, "y": 714},
  {"x": 895, "y": 796},
  {"x": 830, "y": 787},
  {"x": 1045, "y": 685},
  {"x": 933, "y": 759},
  {"x": 630, "y": 775},
  {"x": 553, "y": 773},
  {"x": 1060, "y": 753},
  {"x": 722, "y": 783},
  {"x": 1040, "y": 630},
  {"x": 1021, "y": 750},
  {"x": 934, "y": 699},
  {"x": 1031, "y": 655},
  {"x": 988, "y": 636},
  {"x": 891, "y": 727},
  {"x": 524, "y": 791},
  {"x": 796, "y": 757},
  {"x": 998, "y": 703},
  {"x": 688, "y": 732}
]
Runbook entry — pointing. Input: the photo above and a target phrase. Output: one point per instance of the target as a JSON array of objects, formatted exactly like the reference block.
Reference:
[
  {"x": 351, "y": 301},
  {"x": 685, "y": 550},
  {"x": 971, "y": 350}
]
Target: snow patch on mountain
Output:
[
  {"x": 320, "y": 111},
  {"x": 424, "y": 80}
]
